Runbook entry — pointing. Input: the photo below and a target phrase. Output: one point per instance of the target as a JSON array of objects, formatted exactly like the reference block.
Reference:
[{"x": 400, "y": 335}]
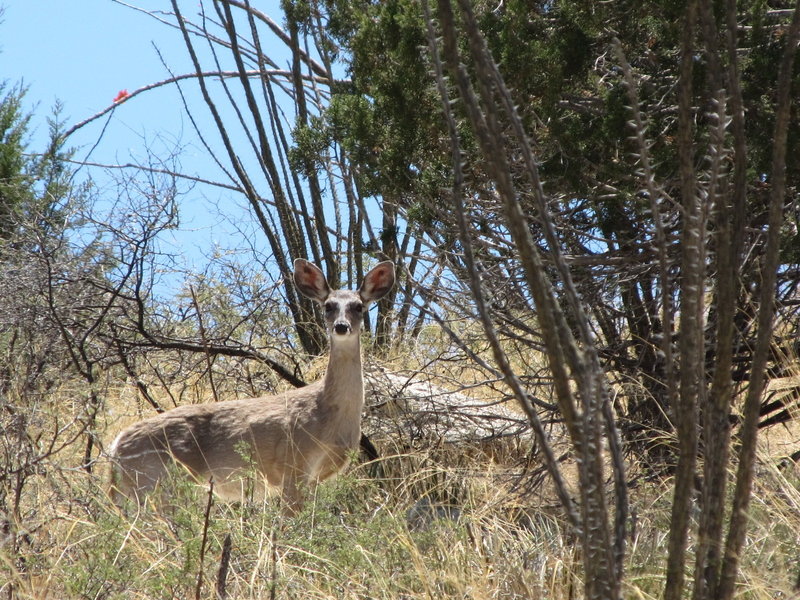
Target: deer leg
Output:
[{"x": 292, "y": 495}]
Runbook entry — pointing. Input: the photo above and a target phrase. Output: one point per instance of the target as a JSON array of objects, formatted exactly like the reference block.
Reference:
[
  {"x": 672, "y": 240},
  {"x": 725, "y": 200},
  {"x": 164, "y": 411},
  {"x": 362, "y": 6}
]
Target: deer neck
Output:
[{"x": 344, "y": 383}]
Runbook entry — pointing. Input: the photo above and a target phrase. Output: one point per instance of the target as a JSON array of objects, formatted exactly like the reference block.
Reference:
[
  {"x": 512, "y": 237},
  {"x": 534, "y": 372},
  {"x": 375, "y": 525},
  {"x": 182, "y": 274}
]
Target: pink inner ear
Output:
[
  {"x": 310, "y": 275},
  {"x": 311, "y": 281},
  {"x": 378, "y": 282},
  {"x": 380, "y": 279}
]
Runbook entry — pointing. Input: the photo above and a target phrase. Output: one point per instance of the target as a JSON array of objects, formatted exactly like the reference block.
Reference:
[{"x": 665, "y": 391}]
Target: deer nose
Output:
[{"x": 341, "y": 328}]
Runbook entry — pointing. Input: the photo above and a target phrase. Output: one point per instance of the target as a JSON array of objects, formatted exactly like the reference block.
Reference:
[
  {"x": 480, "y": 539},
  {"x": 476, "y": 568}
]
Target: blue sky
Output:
[{"x": 82, "y": 53}]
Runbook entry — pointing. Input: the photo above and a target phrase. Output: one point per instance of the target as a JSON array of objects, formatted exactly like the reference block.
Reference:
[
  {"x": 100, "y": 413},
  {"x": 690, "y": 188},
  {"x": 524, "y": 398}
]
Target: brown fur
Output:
[{"x": 294, "y": 440}]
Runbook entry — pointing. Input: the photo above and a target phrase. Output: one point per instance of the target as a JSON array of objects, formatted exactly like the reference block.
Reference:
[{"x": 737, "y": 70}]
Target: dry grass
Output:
[
  {"x": 442, "y": 523},
  {"x": 359, "y": 538}
]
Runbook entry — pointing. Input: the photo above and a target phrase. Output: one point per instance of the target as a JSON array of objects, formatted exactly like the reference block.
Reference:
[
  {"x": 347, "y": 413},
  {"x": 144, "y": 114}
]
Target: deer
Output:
[{"x": 291, "y": 441}]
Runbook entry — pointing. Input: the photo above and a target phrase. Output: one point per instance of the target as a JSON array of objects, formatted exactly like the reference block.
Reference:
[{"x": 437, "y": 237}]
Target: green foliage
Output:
[
  {"x": 758, "y": 75},
  {"x": 32, "y": 187},
  {"x": 311, "y": 143},
  {"x": 556, "y": 59},
  {"x": 386, "y": 119},
  {"x": 559, "y": 62},
  {"x": 15, "y": 182}
]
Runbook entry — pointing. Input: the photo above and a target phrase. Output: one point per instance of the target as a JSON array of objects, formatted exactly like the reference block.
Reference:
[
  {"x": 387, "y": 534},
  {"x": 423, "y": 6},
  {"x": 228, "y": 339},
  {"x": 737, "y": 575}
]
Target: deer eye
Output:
[
  {"x": 329, "y": 307},
  {"x": 356, "y": 307}
]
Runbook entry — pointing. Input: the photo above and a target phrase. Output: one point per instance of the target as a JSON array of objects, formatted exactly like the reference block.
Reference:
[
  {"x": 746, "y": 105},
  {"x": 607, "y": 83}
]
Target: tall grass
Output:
[
  {"x": 443, "y": 523},
  {"x": 358, "y": 537}
]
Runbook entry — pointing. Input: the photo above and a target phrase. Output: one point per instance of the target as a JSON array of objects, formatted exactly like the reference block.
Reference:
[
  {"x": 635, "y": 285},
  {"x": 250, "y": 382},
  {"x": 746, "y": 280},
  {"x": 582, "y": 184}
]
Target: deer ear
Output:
[
  {"x": 310, "y": 280},
  {"x": 378, "y": 282}
]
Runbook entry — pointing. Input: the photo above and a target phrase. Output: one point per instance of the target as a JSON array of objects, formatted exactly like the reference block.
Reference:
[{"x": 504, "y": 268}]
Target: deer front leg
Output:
[{"x": 292, "y": 495}]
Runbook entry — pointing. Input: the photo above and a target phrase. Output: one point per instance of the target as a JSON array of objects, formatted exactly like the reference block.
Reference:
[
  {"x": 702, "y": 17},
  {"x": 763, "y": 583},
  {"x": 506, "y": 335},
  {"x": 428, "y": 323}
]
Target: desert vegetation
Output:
[{"x": 584, "y": 382}]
